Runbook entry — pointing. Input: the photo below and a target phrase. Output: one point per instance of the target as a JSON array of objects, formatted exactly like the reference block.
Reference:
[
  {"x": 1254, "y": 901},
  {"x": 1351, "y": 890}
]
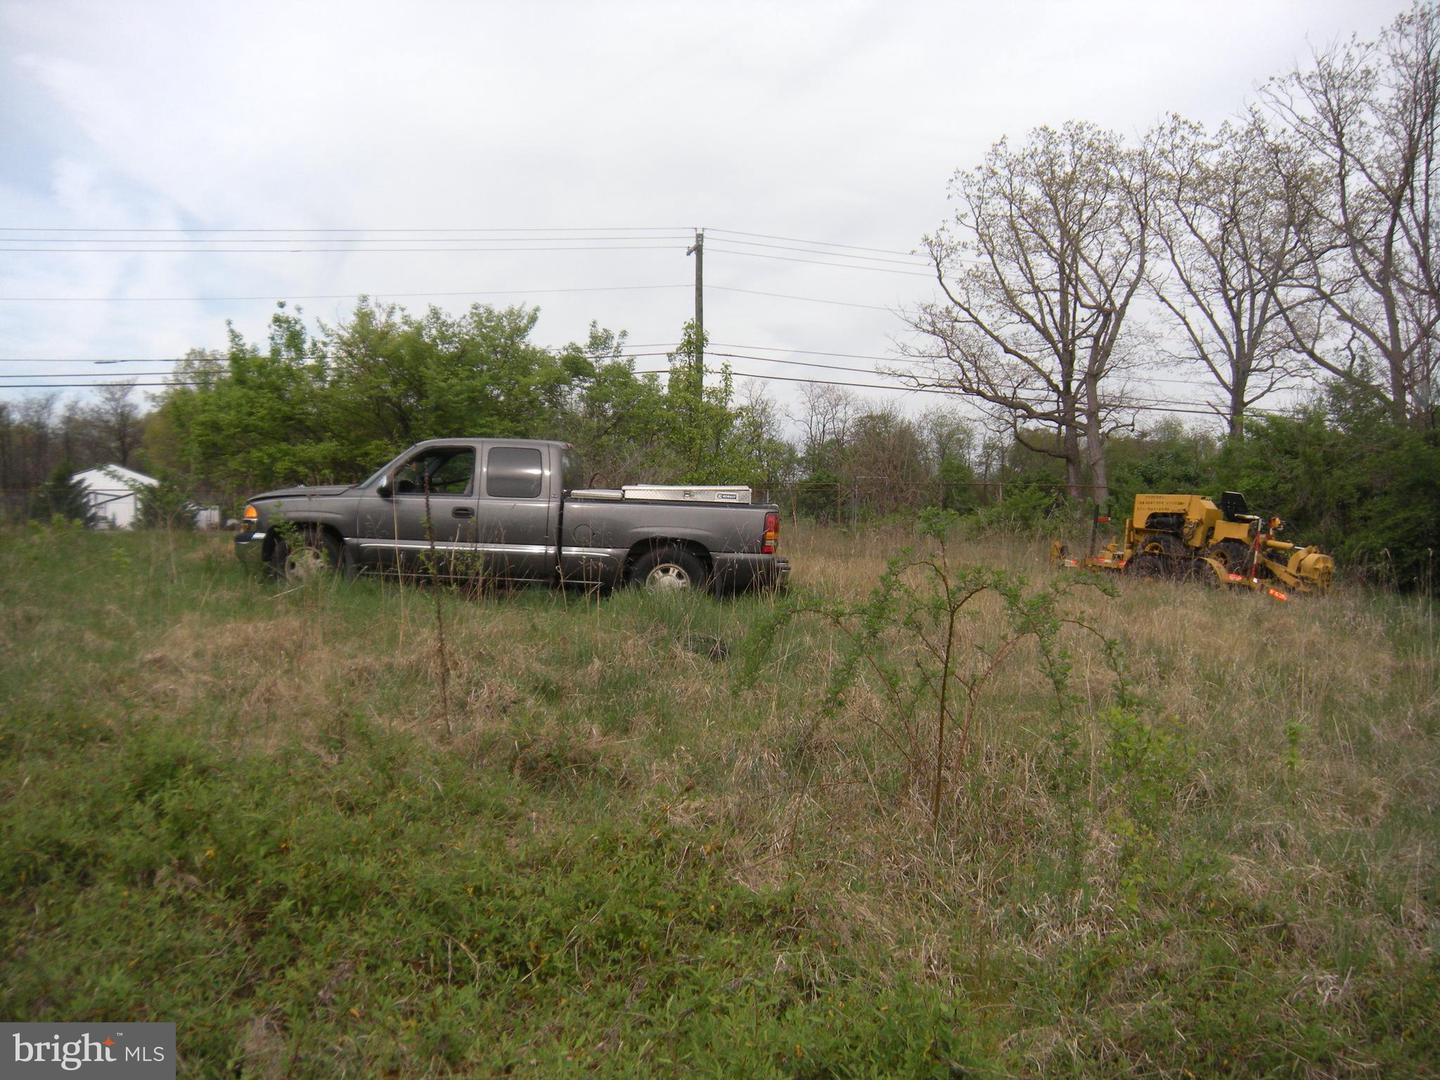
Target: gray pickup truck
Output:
[{"x": 506, "y": 509}]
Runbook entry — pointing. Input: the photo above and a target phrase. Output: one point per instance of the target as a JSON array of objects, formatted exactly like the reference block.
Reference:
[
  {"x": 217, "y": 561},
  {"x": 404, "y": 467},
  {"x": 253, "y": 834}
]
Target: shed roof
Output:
[{"x": 112, "y": 478}]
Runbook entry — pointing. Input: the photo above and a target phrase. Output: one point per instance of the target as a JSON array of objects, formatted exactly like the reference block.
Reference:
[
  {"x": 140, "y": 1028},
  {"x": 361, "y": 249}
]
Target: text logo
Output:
[{"x": 113, "y": 1051}]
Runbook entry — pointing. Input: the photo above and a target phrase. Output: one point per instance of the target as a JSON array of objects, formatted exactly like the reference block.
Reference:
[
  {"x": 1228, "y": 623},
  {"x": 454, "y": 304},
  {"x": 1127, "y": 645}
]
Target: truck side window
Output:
[
  {"x": 449, "y": 470},
  {"x": 513, "y": 472},
  {"x": 574, "y": 472}
]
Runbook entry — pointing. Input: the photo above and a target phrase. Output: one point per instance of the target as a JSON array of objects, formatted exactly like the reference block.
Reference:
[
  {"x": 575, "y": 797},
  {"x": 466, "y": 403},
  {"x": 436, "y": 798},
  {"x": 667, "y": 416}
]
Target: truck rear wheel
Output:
[{"x": 668, "y": 569}]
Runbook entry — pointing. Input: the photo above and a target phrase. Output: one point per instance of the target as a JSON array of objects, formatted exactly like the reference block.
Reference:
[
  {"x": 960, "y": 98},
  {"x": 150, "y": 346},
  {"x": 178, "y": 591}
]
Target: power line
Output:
[
  {"x": 1175, "y": 408},
  {"x": 328, "y": 250},
  {"x": 1154, "y": 406},
  {"x": 429, "y": 240},
  {"x": 807, "y": 299},
  {"x": 803, "y": 352},
  {"x": 329, "y": 296},
  {"x": 909, "y": 360},
  {"x": 831, "y": 254},
  {"x": 794, "y": 363},
  {"x": 814, "y": 243},
  {"x": 628, "y": 352},
  {"x": 818, "y": 262},
  {"x": 190, "y": 229},
  {"x": 86, "y": 375},
  {"x": 679, "y": 231},
  {"x": 668, "y": 347}
]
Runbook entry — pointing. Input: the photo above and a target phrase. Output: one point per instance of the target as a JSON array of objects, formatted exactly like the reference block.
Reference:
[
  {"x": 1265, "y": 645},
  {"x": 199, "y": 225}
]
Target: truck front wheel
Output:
[
  {"x": 668, "y": 569},
  {"x": 312, "y": 553}
]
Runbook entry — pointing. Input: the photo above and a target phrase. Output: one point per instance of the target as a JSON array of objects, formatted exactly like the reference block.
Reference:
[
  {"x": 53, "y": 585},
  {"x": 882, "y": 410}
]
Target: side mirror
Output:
[{"x": 383, "y": 488}]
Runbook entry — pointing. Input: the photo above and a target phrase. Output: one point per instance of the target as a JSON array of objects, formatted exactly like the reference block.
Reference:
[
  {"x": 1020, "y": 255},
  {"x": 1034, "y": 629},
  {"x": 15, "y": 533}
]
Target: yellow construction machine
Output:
[{"x": 1192, "y": 538}]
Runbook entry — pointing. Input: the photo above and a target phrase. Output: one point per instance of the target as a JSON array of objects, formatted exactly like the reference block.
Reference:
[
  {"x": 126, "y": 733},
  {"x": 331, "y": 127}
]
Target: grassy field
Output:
[{"x": 637, "y": 836}]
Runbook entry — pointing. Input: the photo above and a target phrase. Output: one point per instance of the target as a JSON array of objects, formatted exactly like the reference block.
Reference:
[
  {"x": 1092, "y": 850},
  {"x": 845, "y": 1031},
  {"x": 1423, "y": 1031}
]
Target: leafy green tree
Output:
[
  {"x": 328, "y": 406},
  {"x": 617, "y": 420},
  {"x": 395, "y": 379},
  {"x": 1343, "y": 473},
  {"x": 958, "y": 490},
  {"x": 1169, "y": 457},
  {"x": 167, "y": 504},
  {"x": 249, "y": 420},
  {"x": 62, "y": 496},
  {"x": 701, "y": 420}
]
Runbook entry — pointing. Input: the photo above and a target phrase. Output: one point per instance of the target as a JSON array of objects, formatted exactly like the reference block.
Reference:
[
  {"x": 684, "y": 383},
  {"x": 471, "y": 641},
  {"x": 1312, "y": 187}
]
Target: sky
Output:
[{"x": 565, "y": 151}]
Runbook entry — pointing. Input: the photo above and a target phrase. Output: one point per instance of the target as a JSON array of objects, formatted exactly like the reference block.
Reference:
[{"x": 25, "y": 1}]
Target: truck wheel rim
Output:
[
  {"x": 304, "y": 564},
  {"x": 669, "y": 577}
]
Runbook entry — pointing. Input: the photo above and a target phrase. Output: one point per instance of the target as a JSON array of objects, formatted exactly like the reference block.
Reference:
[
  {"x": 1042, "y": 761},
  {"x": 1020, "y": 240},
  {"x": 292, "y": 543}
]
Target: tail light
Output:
[{"x": 772, "y": 534}]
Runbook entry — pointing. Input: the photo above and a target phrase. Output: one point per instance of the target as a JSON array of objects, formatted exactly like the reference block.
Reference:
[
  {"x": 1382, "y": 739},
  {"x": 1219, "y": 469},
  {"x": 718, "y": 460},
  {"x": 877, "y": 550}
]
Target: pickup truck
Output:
[{"x": 506, "y": 509}]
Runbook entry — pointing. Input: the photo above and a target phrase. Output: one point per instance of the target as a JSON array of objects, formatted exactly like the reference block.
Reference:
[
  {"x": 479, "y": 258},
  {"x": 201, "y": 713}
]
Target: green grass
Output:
[{"x": 241, "y": 808}]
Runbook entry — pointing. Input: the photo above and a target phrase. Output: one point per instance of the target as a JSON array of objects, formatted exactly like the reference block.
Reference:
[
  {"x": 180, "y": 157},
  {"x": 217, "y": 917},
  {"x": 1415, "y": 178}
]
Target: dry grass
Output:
[{"x": 1289, "y": 838}]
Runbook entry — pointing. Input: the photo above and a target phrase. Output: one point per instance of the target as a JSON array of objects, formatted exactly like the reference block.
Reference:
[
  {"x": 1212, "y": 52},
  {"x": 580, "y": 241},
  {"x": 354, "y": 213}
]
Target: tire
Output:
[
  {"x": 1198, "y": 571},
  {"x": 1234, "y": 554},
  {"x": 1166, "y": 545},
  {"x": 315, "y": 553},
  {"x": 668, "y": 569},
  {"x": 1146, "y": 566}
]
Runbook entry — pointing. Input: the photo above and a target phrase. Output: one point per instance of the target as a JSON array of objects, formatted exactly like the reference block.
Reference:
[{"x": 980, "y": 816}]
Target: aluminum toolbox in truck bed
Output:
[{"x": 700, "y": 493}]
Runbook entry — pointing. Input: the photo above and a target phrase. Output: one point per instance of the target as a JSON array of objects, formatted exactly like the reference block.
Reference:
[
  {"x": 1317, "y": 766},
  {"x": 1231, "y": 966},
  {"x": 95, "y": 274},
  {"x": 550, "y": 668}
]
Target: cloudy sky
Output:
[{"x": 812, "y": 141}]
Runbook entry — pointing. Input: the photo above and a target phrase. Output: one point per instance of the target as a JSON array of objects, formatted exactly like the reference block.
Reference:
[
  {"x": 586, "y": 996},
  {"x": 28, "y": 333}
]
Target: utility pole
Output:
[{"x": 698, "y": 250}]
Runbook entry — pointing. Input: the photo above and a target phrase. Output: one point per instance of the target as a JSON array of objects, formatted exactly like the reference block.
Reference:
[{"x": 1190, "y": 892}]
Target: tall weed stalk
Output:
[
  {"x": 441, "y": 653},
  {"x": 931, "y": 638}
]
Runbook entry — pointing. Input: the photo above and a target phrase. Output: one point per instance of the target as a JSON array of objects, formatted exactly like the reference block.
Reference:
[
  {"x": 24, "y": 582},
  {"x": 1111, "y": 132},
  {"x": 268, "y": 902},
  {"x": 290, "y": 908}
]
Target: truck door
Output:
[
  {"x": 393, "y": 529},
  {"x": 514, "y": 514}
]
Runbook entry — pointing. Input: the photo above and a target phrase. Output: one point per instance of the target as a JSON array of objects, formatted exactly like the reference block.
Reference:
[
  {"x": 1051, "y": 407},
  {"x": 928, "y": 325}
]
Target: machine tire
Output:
[
  {"x": 315, "y": 552},
  {"x": 1198, "y": 571},
  {"x": 1232, "y": 553},
  {"x": 1146, "y": 566},
  {"x": 666, "y": 569},
  {"x": 1166, "y": 546}
]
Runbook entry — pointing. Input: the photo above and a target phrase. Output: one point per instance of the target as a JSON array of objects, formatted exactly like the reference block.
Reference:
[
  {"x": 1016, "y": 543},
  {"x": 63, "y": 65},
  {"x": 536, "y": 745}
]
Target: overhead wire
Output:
[
  {"x": 813, "y": 243},
  {"x": 188, "y": 229},
  {"x": 540, "y": 239},
  {"x": 792, "y": 296},
  {"x": 429, "y": 241},
  {"x": 331, "y": 250},
  {"x": 335, "y": 296},
  {"x": 1177, "y": 408},
  {"x": 829, "y": 254},
  {"x": 819, "y": 262},
  {"x": 627, "y": 352}
]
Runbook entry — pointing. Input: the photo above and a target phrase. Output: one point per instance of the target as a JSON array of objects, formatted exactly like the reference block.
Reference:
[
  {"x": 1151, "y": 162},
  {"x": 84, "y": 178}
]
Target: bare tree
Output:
[
  {"x": 1367, "y": 112},
  {"x": 1230, "y": 218},
  {"x": 826, "y": 413},
  {"x": 886, "y": 458},
  {"x": 760, "y": 435},
  {"x": 118, "y": 419},
  {"x": 1045, "y": 254}
]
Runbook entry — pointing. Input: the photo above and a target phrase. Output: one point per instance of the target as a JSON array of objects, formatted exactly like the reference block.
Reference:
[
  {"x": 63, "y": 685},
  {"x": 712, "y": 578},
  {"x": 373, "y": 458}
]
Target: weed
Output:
[
  {"x": 932, "y": 648},
  {"x": 231, "y": 806}
]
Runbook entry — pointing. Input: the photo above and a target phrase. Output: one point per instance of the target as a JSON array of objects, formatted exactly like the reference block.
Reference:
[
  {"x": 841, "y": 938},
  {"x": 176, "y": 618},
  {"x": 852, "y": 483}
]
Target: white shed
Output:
[{"x": 113, "y": 493}]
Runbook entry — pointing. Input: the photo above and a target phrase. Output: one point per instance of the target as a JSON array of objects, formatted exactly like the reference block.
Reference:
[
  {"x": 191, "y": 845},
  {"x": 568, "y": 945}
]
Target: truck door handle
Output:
[{"x": 462, "y": 511}]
